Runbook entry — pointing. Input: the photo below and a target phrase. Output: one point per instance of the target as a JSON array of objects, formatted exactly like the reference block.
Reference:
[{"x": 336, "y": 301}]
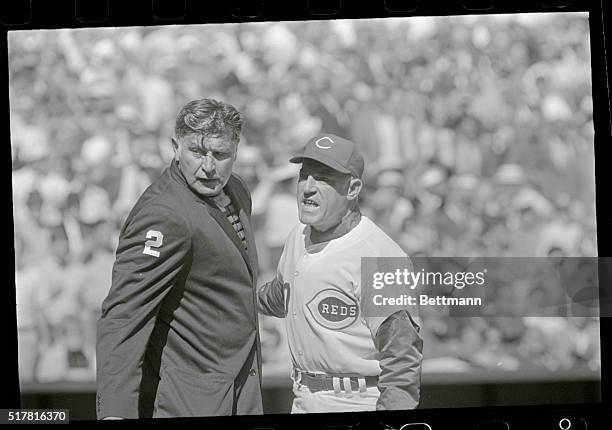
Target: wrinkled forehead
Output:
[{"x": 217, "y": 143}]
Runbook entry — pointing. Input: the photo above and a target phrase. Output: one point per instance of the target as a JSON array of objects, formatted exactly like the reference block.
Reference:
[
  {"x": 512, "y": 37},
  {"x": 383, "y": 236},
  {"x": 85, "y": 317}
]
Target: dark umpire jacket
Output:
[{"x": 178, "y": 334}]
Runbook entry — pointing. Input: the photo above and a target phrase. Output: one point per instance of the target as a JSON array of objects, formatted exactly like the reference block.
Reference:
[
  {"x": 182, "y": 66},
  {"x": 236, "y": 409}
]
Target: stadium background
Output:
[{"x": 478, "y": 137}]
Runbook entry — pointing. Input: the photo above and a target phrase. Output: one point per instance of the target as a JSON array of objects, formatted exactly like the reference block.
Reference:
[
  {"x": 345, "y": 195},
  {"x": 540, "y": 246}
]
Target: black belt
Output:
[{"x": 317, "y": 382}]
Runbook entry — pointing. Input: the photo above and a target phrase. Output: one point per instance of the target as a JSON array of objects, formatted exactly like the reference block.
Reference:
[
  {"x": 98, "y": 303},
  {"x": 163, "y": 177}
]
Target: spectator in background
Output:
[
  {"x": 390, "y": 206},
  {"x": 281, "y": 212},
  {"x": 251, "y": 167},
  {"x": 528, "y": 213}
]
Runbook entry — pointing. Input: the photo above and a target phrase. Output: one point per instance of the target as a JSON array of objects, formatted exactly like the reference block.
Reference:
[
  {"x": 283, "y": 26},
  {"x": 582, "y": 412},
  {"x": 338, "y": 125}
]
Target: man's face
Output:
[
  {"x": 322, "y": 195},
  {"x": 205, "y": 162}
]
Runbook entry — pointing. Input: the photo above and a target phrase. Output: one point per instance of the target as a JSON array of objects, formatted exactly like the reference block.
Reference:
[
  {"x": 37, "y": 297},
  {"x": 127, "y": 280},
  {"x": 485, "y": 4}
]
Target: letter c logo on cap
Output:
[{"x": 319, "y": 145}]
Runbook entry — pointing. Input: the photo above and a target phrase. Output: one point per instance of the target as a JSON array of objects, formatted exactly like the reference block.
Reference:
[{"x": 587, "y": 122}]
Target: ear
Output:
[
  {"x": 354, "y": 188},
  {"x": 235, "y": 151}
]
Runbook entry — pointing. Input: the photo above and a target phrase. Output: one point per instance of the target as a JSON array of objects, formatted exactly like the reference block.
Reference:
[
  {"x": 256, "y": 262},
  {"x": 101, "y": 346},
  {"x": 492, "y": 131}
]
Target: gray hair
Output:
[{"x": 210, "y": 118}]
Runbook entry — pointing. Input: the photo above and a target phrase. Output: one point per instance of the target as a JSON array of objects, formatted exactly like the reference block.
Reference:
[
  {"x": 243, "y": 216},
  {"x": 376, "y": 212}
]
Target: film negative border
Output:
[
  {"x": 85, "y": 13},
  {"x": 25, "y": 14}
]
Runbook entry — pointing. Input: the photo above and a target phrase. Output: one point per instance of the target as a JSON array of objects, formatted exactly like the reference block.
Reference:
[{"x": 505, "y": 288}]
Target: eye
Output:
[
  {"x": 221, "y": 155},
  {"x": 322, "y": 178},
  {"x": 197, "y": 154},
  {"x": 316, "y": 177}
]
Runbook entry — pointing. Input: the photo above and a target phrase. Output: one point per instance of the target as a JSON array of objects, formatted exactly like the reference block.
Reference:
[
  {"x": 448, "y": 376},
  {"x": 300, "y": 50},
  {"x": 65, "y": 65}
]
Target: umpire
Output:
[{"x": 178, "y": 335}]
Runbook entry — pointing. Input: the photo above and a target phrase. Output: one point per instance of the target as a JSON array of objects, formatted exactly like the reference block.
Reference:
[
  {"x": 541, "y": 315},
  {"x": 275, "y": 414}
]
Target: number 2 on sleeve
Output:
[{"x": 158, "y": 239}]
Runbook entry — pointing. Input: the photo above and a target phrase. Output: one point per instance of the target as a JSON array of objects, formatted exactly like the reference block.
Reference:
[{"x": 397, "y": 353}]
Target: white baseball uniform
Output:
[{"x": 318, "y": 289}]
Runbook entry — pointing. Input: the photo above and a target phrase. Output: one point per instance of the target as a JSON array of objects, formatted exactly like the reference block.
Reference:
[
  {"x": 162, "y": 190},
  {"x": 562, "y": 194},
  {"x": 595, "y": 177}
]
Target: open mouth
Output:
[
  {"x": 208, "y": 182},
  {"x": 310, "y": 203}
]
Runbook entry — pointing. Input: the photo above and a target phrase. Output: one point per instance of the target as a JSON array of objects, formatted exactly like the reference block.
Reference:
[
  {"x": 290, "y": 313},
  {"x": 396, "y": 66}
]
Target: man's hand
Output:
[{"x": 273, "y": 298}]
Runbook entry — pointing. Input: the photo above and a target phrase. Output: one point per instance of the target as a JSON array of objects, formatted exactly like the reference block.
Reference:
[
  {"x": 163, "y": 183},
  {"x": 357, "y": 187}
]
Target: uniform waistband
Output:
[{"x": 334, "y": 382}]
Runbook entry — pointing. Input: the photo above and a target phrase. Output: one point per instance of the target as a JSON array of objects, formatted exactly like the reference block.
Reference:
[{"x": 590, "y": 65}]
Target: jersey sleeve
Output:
[
  {"x": 400, "y": 345},
  {"x": 397, "y": 338},
  {"x": 153, "y": 249}
]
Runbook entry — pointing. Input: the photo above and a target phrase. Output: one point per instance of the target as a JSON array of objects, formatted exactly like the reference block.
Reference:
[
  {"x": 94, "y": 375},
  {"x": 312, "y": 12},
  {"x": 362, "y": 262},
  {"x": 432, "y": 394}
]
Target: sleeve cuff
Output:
[{"x": 396, "y": 398}]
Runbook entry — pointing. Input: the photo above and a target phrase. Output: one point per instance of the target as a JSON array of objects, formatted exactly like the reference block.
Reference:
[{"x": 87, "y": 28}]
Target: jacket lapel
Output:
[
  {"x": 248, "y": 232},
  {"x": 221, "y": 219},
  {"x": 238, "y": 193}
]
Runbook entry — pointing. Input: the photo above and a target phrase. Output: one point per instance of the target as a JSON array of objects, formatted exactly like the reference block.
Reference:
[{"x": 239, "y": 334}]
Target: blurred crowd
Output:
[{"x": 477, "y": 132}]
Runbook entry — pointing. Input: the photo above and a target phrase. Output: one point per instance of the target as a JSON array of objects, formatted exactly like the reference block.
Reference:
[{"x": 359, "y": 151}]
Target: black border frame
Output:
[{"x": 55, "y": 14}]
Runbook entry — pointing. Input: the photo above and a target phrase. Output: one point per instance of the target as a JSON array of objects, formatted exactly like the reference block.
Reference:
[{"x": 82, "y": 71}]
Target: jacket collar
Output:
[{"x": 177, "y": 176}]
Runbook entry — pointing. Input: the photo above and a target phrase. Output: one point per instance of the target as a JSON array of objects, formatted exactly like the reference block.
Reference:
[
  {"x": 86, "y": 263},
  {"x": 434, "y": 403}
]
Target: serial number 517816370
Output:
[{"x": 23, "y": 416}]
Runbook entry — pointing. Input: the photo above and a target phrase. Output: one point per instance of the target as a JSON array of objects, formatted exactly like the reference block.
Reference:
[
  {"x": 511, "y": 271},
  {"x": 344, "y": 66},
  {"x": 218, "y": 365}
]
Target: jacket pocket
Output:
[{"x": 187, "y": 393}]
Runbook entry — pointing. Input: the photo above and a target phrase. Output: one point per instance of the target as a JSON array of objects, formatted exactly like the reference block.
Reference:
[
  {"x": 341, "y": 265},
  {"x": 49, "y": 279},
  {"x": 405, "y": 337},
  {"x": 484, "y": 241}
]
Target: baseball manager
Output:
[
  {"x": 343, "y": 361},
  {"x": 178, "y": 333}
]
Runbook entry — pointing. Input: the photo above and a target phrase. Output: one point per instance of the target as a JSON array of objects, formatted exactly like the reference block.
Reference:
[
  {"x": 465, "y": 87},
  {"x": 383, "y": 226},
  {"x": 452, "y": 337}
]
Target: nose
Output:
[
  {"x": 208, "y": 164},
  {"x": 309, "y": 185}
]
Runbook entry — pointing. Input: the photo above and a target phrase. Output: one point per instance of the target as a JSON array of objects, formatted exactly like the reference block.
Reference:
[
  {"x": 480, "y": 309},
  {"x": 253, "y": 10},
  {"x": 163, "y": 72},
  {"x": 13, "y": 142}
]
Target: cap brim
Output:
[{"x": 299, "y": 158}]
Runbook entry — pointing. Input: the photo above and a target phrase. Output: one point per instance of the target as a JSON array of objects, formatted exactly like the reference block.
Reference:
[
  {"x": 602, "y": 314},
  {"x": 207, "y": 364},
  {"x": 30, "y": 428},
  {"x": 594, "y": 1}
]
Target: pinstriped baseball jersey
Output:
[{"x": 321, "y": 289}]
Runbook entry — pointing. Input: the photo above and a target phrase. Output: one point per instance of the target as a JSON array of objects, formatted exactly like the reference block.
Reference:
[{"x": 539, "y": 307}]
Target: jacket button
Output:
[
  {"x": 252, "y": 372},
  {"x": 296, "y": 273}
]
